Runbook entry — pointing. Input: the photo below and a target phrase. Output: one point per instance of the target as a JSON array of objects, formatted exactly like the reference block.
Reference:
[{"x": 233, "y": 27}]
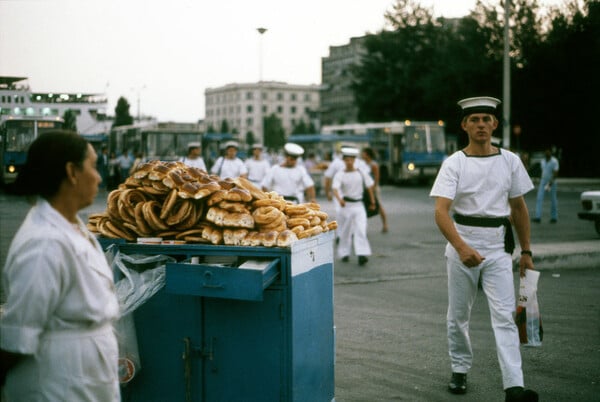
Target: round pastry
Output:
[
  {"x": 206, "y": 189},
  {"x": 310, "y": 232},
  {"x": 151, "y": 211},
  {"x": 188, "y": 189},
  {"x": 269, "y": 239},
  {"x": 298, "y": 229},
  {"x": 266, "y": 202},
  {"x": 297, "y": 222},
  {"x": 140, "y": 221},
  {"x": 158, "y": 172},
  {"x": 285, "y": 238},
  {"x": 332, "y": 225},
  {"x": 180, "y": 212},
  {"x": 256, "y": 192},
  {"x": 300, "y": 209},
  {"x": 238, "y": 194},
  {"x": 266, "y": 215},
  {"x": 168, "y": 204},
  {"x": 216, "y": 197}
]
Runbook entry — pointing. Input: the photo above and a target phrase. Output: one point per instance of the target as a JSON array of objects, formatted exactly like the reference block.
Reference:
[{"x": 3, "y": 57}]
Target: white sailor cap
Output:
[
  {"x": 231, "y": 144},
  {"x": 350, "y": 151},
  {"x": 479, "y": 104},
  {"x": 194, "y": 144},
  {"x": 257, "y": 145},
  {"x": 293, "y": 149}
]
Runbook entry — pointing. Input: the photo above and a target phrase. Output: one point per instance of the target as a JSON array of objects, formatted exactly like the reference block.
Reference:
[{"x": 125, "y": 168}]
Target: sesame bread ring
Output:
[
  {"x": 298, "y": 229},
  {"x": 206, "y": 189},
  {"x": 216, "y": 197},
  {"x": 232, "y": 206},
  {"x": 332, "y": 225},
  {"x": 158, "y": 172},
  {"x": 168, "y": 204},
  {"x": 190, "y": 220},
  {"x": 278, "y": 222},
  {"x": 151, "y": 211},
  {"x": 286, "y": 238},
  {"x": 300, "y": 209},
  {"x": 310, "y": 232},
  {"x": 191, "y": 232},
  {"x": 298, "y": 222},
  {"x": 121, "y": 232},
  {"x": 265, "y": 215},
  {"x": 140, "y": 221},
  {"x": 256, "y": 192},
  {"x": 266, "y": 202},
  {"x": 269, "y": 239},
  {"x": 188, "y": 189},
  {"x": 179, "y": 213}
]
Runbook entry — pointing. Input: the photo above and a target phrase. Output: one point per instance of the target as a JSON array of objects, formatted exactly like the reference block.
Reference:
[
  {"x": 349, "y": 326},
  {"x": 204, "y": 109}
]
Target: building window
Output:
[
  {"x": 249, "y": 109},
  {"x": 279, "y": 109},
  {"x": 265, "y": 96},
  {"x": 307, "y": 97},
  {"x": 279, "y": 96},
  {"x": 293, "y": 97},
  {"x": 249, "y": 95},
  {"x": 264, "y": 109},
  {"x": 293, "y": 110},
  {"x": 249, "y": 121}
]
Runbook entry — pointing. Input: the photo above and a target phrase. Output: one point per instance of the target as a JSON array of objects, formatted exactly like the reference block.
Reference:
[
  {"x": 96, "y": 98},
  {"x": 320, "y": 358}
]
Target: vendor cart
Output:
[{"x": 237, "y": 324}]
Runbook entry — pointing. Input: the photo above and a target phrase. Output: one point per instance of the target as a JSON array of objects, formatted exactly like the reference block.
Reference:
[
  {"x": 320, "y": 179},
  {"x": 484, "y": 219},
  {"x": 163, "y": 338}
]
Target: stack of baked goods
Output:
[{"x": 175, "y": 202}]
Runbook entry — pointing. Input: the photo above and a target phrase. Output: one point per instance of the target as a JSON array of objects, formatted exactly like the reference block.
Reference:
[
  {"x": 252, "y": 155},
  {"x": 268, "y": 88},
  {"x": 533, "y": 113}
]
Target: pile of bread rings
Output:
[{"x": 173, "y": 201}]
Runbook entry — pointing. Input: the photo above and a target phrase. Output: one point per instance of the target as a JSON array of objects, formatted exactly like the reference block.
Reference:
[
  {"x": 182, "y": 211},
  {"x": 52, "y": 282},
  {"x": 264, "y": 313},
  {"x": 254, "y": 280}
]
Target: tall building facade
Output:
[
  {"x": 243, "y": 105},
  {"x": 337, "y": 98}
]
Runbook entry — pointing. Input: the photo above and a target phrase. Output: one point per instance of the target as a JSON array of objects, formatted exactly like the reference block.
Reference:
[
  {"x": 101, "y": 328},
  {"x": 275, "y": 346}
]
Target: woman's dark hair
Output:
[
  {"x": 369, "y": 151},
  {"x": 47, "y": 158}
]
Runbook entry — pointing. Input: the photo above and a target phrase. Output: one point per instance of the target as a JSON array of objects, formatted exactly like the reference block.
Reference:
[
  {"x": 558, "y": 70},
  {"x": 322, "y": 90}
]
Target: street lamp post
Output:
[
  {"x": 138, "y": 90},
  {"x": 260, "y": 130}
]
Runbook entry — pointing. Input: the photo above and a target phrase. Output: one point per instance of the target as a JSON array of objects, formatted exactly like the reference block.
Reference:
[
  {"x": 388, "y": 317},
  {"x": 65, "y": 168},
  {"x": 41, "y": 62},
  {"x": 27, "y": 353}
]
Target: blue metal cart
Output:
[{"x": 259, "y": 330}]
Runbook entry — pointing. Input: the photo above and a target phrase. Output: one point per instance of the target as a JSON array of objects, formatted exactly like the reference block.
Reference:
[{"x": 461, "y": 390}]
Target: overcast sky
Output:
[{"x": 170, "y": 51}]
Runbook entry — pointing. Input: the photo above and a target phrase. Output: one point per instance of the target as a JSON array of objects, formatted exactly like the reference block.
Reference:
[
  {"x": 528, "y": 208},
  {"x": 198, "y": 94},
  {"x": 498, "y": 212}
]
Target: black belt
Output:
[
  {"x": 509, "y": 239},
  {"x": 291, "y": 198},
  {"x": 348, "y": 199}
]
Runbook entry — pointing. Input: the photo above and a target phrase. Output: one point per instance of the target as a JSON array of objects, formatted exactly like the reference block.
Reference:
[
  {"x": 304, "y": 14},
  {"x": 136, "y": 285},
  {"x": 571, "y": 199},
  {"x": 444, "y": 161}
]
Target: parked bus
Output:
[
  {"x": 16, "y": 135},
  {"x": 409, "y": 150}
]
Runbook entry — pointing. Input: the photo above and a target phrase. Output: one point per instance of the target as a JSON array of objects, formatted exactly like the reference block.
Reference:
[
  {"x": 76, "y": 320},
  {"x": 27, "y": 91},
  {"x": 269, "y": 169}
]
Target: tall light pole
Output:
[
  {"x": 138, "y": 90},
  {"x": 506, "y": 80},
  {"x": 260, "y": 133}
]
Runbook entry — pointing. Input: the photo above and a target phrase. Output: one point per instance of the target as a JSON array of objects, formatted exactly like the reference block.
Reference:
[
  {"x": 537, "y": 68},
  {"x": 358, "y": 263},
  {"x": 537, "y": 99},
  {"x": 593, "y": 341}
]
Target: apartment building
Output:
[
  {"x": 337, "y": 97},
  {"x": 242, "y": 105}
]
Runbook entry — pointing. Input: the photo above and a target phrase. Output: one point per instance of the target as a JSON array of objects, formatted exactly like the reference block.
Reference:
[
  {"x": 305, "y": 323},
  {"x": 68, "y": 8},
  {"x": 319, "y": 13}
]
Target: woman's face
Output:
[{"x": 88, "y": 179}]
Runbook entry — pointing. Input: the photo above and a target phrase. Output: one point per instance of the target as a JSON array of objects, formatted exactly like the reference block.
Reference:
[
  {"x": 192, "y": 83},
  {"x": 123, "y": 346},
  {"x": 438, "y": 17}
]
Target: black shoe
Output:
[
  {"x": 518, "y": 394},
  {"x": 553, "y": 221},
  {"x": 362, "y": 260},
  {"x": 458, "y": 383},
  {"x": 536, "y": 220},
  {"x": 345, "y": 259}
]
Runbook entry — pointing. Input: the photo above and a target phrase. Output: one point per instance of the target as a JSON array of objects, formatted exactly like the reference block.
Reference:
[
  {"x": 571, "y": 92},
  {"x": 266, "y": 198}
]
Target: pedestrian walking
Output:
[
  {"x": 257, "y": 166},
  {"x": 348, "y": 187},
  {"x": 483, "y": 186},
  {"x": 125, "y": 161},
  {"x": 229, "y": 165},
  {"x": 194, "y": 156},
  {"x": 289, "y": 179},
  {"x": 368, "y": 156},
  {"x": 550, "y": 168},
  {"x": 56, "y": 335}
]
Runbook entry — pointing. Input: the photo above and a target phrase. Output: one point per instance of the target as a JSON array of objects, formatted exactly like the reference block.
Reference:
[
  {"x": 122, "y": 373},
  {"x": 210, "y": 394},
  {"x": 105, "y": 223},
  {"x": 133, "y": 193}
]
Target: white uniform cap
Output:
[
  {"x": 257, "y": 146},
  {"x": 293, "y": 149},
  {"x": 479, "y": 104},
  {"x": 231, "y": 144},
  {"x": 350, "y": 151},
  {"x": 193, "y": 145}
]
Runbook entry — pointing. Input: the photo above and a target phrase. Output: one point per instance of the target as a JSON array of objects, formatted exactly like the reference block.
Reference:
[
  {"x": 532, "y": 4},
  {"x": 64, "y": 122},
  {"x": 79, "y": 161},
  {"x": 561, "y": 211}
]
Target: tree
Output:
[
  {"x": 250, "y": 139},
  {"x": 70, "y": 120},
  {"x": 122, "y": 116},
  {"x": 224, "y": 126},
  {"x": 273, "y": 132}
]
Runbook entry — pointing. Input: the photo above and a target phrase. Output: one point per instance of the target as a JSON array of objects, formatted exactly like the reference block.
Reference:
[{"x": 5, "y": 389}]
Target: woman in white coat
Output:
[{"x": 56, "y": 336}]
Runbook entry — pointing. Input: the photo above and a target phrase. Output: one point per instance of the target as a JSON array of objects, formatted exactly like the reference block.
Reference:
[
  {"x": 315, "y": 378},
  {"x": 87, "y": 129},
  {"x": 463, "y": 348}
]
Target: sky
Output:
[{"x": 163, "y": 54}]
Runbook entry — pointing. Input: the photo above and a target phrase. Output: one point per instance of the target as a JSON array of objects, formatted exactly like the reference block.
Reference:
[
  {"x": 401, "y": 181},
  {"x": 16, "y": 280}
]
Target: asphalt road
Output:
[{"x": 390, "y": 315}]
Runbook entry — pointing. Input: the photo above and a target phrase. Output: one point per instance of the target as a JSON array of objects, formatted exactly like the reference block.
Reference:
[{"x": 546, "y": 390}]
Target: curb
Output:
[{"x": 548, "y": 256}]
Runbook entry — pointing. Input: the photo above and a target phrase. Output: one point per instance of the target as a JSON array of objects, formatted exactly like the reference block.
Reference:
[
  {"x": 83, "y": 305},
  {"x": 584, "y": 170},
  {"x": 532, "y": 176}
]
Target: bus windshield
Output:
[
  {"x": 438, "y": 139},
  {"x": 19, "y": 135},
  {"x": 416, "y": 139}
]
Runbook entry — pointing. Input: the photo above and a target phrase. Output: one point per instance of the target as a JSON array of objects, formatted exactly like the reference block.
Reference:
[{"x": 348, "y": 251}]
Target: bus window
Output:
[
  {"x": 438, "y": 139},
  {"x": 416, "y": 139},
  {"x": 19, "y": 135}
]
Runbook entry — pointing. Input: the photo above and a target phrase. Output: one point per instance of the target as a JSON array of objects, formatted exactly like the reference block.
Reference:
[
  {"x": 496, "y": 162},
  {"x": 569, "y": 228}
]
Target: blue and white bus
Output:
[
  {"x": 409, "y": 150},
  {"x": 16, "y": 135}
]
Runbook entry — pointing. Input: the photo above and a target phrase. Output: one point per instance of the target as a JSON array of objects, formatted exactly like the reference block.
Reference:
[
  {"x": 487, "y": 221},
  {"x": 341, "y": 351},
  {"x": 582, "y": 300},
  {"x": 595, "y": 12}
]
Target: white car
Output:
[{"x": 590, "y": 203}]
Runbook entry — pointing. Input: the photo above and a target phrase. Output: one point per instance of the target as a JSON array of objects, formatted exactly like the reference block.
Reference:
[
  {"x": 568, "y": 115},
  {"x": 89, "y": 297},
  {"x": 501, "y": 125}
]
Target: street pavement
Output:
[{"x": 390, "y": 314}]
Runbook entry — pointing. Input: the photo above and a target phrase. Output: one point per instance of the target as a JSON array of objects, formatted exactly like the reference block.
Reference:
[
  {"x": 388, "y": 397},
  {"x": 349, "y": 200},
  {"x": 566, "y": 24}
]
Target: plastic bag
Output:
[
  {"x": 528, "y": 318},
  {"x": 138, "y": 278}
]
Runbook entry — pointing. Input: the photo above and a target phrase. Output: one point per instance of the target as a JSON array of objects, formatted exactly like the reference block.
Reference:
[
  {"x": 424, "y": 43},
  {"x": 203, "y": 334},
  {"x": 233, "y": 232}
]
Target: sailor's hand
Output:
[{"x": 470, "y": 257}]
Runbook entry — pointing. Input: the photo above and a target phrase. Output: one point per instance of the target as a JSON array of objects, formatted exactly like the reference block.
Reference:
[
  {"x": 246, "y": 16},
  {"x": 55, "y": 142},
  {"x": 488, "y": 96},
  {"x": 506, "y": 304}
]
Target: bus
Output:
[
  {"x": 406, "y": 151},
  {"x": 16, "y": 135}
]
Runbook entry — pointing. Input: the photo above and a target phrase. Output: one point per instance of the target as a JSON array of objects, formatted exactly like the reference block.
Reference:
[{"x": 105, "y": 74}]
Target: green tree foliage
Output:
[
  {"x": 302, "y": 128},
  {"x": 273, "y": 132},
  {"x": 250, "y": 139},
  {"x": 122, "y": 116},
  {"x": 224, "y": 126},
  {"x": 70, "y": 120},
  {"x": 418, "y": 67}
]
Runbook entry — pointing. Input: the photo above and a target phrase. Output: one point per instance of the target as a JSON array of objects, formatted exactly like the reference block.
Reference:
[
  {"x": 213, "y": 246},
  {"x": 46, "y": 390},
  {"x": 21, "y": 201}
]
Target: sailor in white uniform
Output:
[
  {"x": 194, "y": 158},
  {"x": 257, "y": 166},
  {"x": 483, "y": 186},
  {"x": 229, "y": 165},
  {"x": 289, "y": 179},
  {"x": 348, "y": 186}
]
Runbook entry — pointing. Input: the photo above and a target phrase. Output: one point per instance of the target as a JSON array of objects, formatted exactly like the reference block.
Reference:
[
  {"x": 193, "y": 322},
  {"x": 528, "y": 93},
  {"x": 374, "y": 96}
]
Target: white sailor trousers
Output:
[
  {"x": 498, "y": 285},
  {"x": 352, "y": 230}
]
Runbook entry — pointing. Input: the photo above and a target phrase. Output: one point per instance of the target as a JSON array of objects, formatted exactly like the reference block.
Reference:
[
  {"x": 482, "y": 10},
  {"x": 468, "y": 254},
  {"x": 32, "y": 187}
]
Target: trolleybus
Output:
[{"x": 16, "y": 135}]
